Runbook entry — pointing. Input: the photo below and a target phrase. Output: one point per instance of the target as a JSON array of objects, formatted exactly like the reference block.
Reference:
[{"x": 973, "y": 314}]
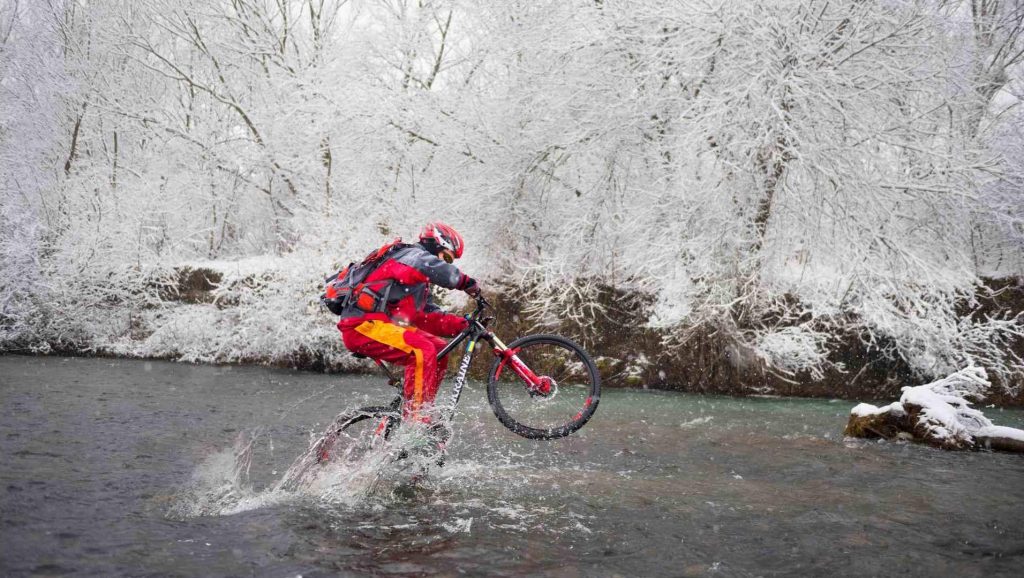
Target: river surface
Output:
[{"x": 115, "y": 467}]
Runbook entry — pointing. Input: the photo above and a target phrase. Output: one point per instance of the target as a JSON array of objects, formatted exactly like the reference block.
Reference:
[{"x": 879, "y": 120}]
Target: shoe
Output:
[
  {"x": 430, "y": 442},
  {"x": 439, "y": 433}
]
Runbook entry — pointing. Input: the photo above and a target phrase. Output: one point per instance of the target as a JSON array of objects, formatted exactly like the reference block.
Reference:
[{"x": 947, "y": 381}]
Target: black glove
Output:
[{"x": 472, "y": 288}]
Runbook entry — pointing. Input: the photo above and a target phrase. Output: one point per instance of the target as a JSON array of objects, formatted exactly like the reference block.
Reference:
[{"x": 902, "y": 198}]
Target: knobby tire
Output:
[{"x": 512, "y": 406}]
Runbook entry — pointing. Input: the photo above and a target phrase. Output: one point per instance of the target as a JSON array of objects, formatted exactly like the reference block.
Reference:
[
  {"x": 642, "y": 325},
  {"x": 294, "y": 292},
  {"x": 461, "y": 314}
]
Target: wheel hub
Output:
[{"x": 546, "y": 387}]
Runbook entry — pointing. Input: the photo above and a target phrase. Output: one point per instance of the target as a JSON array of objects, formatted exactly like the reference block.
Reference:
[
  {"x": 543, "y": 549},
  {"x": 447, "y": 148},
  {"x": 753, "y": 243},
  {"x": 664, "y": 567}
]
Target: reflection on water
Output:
[{"x": 124, "y": 467}]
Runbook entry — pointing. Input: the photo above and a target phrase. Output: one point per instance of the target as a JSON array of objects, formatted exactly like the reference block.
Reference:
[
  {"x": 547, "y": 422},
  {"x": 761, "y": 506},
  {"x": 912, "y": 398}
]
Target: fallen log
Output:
[{"x": 938, "y": 414}]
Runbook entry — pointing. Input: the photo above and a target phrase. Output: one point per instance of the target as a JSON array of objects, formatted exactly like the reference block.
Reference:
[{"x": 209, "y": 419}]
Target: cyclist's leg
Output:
[
  {"x": 357, "y": 342},
  {"x": 420, "y": 406},
  {"x": 442, "y": 367},
  {"x": 418, "y": 355},
  {"x": 433, "y": 370}
]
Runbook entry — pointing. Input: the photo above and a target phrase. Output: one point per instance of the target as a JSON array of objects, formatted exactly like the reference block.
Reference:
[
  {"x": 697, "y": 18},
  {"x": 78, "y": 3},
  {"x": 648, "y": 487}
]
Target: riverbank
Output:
[{"x": 252, "y": 312}]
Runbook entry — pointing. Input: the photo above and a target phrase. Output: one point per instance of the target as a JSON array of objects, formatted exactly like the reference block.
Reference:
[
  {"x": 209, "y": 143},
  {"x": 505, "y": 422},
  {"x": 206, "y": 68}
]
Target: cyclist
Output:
[{"x": 405, "y": 329}]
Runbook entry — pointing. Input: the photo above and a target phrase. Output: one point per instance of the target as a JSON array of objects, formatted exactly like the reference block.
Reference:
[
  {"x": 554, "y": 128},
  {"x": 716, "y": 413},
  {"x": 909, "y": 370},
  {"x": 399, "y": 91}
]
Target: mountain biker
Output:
[{"x": 407, "y": 331}]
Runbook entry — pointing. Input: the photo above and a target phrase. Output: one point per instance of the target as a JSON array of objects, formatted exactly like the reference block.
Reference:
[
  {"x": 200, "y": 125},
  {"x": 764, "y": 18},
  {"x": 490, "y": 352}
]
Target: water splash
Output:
[
  {"x": 361, "y": 467},
  {"x": 221, "y": 483}
]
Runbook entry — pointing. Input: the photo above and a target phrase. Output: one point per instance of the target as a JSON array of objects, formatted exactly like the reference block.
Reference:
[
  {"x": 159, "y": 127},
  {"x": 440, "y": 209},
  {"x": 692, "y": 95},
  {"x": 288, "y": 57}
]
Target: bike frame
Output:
[
  {"x": 475, "y": 330},
  {"x": 472, "y": 334}
]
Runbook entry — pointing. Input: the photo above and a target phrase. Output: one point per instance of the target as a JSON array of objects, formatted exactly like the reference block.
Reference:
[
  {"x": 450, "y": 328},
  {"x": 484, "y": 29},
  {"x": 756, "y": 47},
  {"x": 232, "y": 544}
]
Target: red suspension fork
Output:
[{"x": 510, "y": 357}]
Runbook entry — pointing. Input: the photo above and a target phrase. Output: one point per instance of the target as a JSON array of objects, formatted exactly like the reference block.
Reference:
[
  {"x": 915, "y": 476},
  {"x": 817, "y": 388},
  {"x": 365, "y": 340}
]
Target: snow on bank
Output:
[
  {"x": 259, "y": 310},
  {"x": 938, "y": 414},
  {"x": 866, "y": 409},
  {"x": 1001, "y": 431}
]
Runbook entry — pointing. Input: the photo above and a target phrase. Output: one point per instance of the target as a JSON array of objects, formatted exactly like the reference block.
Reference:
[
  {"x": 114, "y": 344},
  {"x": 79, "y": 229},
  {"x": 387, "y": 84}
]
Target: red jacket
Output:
[{"x": 411, "y": 270}]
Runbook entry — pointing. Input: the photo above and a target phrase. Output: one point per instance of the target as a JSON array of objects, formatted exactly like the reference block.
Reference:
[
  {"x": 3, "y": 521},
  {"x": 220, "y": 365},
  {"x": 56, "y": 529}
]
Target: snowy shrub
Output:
[
  {"x": 264, "y": 310},
  {"x": 793, "y": 349}
]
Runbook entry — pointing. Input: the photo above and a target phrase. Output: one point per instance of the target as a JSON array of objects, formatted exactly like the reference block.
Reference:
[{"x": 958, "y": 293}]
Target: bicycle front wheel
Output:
[{"x": 564, "y": 398}]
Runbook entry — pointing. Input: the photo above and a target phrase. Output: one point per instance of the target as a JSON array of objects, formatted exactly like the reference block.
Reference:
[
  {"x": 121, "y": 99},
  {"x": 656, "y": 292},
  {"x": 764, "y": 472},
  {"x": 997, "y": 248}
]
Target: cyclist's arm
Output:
[
  {"x": 435, "y": 320},
  {"x": 436, "y": 271},
  {"x": 440, "y": 323}
]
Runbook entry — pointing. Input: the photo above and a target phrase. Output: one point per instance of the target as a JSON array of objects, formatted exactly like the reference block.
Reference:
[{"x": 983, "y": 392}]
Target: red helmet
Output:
[{"x": 448, "y": 240}]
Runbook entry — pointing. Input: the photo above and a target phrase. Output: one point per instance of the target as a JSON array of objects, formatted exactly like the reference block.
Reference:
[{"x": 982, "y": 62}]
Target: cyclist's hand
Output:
[{"x": 472, "y": 288}]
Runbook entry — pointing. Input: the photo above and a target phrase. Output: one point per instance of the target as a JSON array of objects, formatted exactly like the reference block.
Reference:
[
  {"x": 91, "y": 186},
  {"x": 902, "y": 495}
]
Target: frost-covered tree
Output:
[
  {"x": 31, "y": 79},
  {"x": 777, "y": 173}
]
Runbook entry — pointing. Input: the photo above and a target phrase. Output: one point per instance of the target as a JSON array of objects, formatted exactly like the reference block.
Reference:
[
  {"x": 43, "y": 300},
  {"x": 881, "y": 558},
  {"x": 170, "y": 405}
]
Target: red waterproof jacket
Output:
[{"x": 406, "y": 276}]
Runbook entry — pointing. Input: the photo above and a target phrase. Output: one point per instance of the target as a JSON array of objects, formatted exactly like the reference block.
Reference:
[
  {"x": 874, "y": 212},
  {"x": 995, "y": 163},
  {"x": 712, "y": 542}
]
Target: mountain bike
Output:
[{"x": 540, "y": 387}]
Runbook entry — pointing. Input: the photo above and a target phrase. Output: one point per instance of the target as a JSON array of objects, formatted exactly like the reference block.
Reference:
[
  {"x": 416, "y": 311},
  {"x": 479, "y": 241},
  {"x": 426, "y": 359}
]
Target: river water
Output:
[{"x": 114, "y": 467}]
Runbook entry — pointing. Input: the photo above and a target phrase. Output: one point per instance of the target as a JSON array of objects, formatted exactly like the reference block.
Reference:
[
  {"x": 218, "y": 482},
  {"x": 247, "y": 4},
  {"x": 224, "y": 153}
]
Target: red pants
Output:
[{"x": 408, "y": 346}]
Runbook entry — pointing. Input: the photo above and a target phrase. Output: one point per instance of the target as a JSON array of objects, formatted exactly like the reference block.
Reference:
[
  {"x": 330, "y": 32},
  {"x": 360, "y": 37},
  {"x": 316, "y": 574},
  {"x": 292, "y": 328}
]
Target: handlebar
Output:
[{"x": 481, "y": 305}]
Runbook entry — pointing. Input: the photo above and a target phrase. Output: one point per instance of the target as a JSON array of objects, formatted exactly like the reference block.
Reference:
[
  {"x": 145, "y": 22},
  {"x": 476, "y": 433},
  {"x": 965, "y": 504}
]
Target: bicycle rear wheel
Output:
[
  {"x": 350, "y": 437},
  {"x": 572, "y": 384},
  {"x": 355, "y": 433}
]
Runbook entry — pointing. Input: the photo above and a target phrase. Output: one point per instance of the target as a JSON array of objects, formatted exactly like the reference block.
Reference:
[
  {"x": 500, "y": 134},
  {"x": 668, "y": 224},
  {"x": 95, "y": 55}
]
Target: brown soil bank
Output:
[{"x": 630, "y": 354}]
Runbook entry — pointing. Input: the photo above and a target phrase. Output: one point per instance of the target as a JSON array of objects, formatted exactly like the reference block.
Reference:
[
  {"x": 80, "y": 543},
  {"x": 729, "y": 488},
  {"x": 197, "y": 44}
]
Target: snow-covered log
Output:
[
  {"x": 868, "y": 421},
  {"x": 938, "y": 414}
]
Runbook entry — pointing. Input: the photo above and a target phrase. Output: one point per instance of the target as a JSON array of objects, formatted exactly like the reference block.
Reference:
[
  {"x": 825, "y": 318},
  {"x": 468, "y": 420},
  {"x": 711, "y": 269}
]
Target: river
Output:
[{"x": 123, "y": 467}]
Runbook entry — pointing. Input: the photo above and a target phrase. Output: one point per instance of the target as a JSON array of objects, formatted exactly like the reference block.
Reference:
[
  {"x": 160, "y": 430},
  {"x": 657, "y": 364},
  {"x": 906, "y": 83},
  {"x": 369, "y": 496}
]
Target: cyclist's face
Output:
[{"x": 447, "y": 255}]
